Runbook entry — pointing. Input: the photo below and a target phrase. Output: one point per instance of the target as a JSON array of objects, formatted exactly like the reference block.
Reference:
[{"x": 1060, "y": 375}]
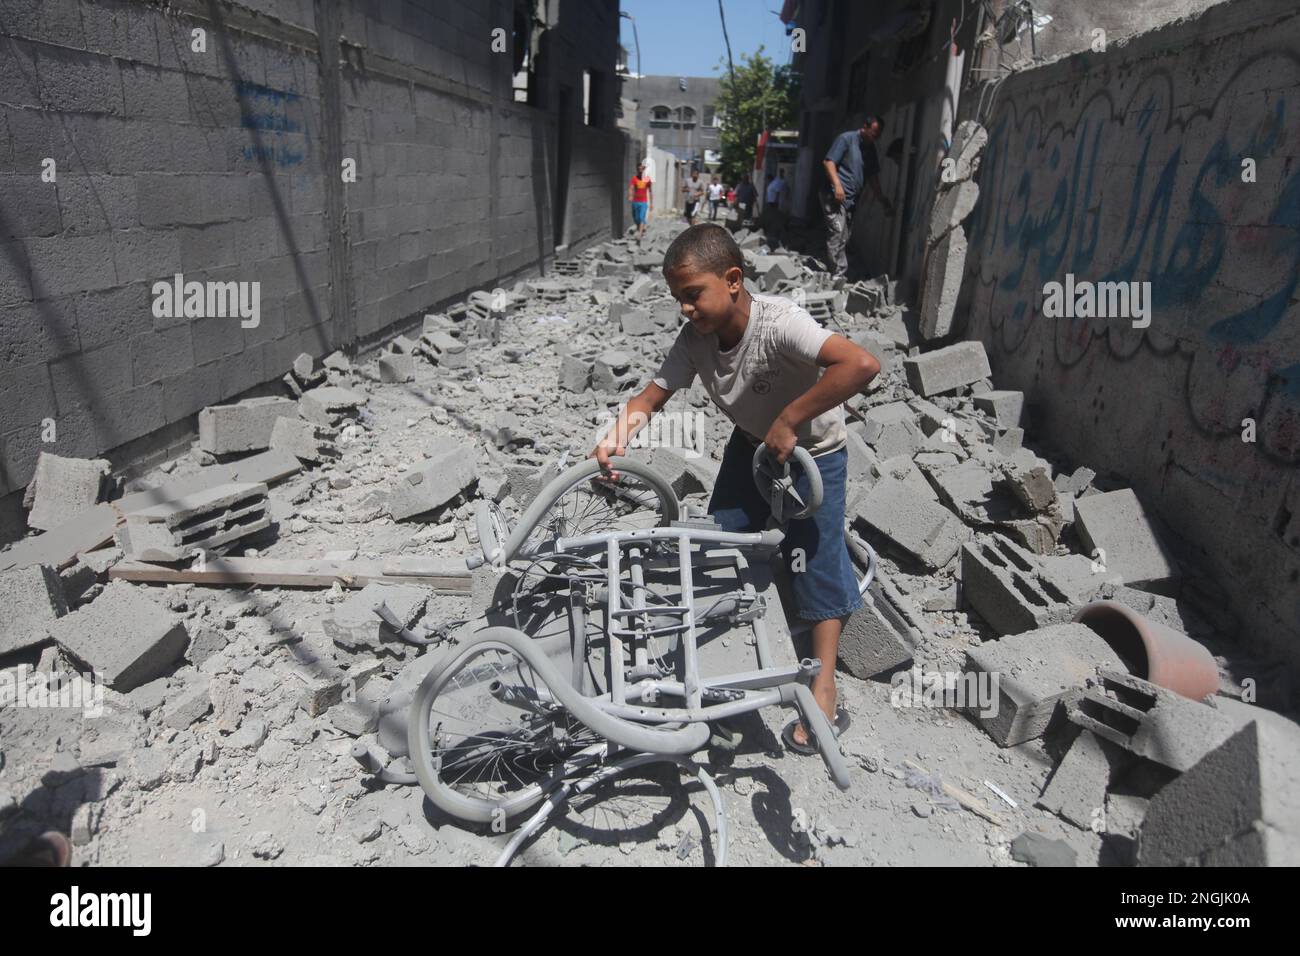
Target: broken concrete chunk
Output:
[
  {"x": 875, "y": 637},
  {"x": 435, "y": 483},
  {"x": 396, "y": 367},
  {"x": 968, "y": 142},
  {"x": 1149, "y": 721},
  {"x": 61, "y": 488},
  {"x": 945, "y": 264},
  {"x": 1014, "y": 590},
  {"x": 243, "y": 426},
  {"x": 926, "y": 531},
  {"x": 1033, "y": 673},
  {"x": 197, "y": 523},
  {"x": 122, "y": 636},
  {"x": 1116, "y": 523},
  {"x": 304, "y": 440},
  {"x": 328, "y": 404},
  {"x": 1237, "y": 806},
  {"x": 1002, "y": 405},
  {"x": 1077, "y": 790},
  {"x": 953, "y": 204},
  {"x": 355, "y": 625},
  {"x": 947, "y": 369},
  {"x": 30, "y": 600}
]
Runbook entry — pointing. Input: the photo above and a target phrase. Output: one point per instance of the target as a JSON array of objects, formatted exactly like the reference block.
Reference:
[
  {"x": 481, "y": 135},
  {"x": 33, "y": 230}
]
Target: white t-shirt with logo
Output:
[
  {"x": 774, "y": 363},
  {"x": 715, "y": 191}
]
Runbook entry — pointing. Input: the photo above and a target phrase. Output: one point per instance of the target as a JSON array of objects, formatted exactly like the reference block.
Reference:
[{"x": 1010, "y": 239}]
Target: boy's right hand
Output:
[{"x": 604, "y": 450}]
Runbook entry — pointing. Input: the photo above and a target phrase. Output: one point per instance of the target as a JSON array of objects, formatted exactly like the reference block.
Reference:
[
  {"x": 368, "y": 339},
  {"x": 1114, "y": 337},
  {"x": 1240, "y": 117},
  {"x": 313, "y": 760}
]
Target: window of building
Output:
[
  {"x": 687, "y": 116},
  {"x": 660, "y": 116}
]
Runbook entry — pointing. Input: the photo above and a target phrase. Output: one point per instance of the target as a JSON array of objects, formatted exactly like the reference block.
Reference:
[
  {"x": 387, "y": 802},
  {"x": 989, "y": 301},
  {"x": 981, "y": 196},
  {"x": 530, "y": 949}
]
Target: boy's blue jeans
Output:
[{"x": 827, "y": 587}]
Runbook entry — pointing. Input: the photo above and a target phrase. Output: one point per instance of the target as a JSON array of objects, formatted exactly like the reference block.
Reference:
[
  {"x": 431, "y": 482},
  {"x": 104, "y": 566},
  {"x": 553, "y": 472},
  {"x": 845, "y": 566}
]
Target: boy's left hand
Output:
[{"x": 781, "y": 440}]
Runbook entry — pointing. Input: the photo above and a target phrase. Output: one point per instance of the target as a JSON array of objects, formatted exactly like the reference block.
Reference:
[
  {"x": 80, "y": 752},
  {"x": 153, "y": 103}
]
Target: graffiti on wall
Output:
[
  {"x": 276, "y": 117},
  {"x": 1139, "y": 184}
]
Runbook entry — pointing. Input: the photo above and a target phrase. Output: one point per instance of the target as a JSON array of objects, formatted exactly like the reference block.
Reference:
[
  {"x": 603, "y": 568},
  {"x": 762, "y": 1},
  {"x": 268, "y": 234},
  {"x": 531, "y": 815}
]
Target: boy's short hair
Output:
[{"x": 706, "y": 246}]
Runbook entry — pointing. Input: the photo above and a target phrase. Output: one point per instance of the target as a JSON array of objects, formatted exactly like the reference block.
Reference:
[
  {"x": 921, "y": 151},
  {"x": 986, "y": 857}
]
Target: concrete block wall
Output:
[
  {"x": 223, "y": 165},
  {"x": 1127, "y": 166}
]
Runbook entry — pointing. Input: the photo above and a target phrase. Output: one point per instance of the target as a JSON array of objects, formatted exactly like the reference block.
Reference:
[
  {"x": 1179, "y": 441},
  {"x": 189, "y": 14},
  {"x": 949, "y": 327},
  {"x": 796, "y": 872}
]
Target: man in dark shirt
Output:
[
  {"x": 851, "y": 165},
  {"x": 745, "y": 196}
]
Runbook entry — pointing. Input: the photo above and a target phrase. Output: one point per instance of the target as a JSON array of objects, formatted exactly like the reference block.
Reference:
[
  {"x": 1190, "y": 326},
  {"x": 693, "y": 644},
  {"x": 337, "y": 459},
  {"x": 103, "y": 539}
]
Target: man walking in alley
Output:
[
  {"x": 851, "y": 164},
  {"x": 716, "y": 193},
  {"x": 745, "y": 196},
  {"x": 694, "y": 189}
]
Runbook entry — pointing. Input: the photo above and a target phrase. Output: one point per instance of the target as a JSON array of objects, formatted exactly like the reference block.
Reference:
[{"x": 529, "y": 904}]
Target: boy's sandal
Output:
[{"x": 809, "y": 749}]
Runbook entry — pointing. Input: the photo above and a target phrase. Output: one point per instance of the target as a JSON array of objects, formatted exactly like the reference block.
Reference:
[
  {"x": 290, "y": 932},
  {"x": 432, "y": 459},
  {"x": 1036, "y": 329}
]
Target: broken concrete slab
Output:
[
  {"x": 891, "y": 429},
  {"x": 62, "y": 488},
  {"x": 947, "y": 369},
  {"x": 243, "y": 426},
  {"x": 1076, "y": 791},
  {"x": 435, "y": 483},
  {"x": 30, "y": 600},
  {"x": 328, "y": 404},
  {"x": 1004, "y": 406},
  {"x": 638, "y": 322},
  {"x": 200, "y": 523},
  {"x": 355, "y": 625},
  {"x": 926, "y": 531},
  {"x": 1034, "y": 673},
  {"x": 945, "y": 264},
  {"x": 953, "y": 204},
  {"x": 1150, "y": 721},
  {"x": 1237, "y": 806},
  {"x": 305, "y": 440},
  {"x": 396, "y": 367},
  {"x": 122, "y": 636},
  {"x": 1118, "y": 531}
]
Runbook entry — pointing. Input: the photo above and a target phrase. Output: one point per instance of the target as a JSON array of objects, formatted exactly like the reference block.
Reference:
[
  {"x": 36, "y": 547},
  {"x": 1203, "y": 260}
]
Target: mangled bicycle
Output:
[{"x": 621, "y": 630}]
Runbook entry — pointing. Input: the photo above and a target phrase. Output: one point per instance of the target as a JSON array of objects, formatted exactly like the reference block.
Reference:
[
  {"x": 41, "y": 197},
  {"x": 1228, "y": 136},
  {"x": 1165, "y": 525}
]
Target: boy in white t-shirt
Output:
[{"x": 782, "y": 379}]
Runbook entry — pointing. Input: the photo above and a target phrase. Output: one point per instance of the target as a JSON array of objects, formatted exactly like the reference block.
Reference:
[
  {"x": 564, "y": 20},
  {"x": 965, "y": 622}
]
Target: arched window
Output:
[
  {"x": 687, "y": 115},
  {"x": 660, "y": 115}
]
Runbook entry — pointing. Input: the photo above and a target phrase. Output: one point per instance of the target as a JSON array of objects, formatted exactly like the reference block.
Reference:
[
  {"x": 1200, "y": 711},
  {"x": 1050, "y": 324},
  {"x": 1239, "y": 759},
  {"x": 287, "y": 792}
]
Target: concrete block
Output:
[
  {"x": 187, "y": 707},
  {"x": 354, "y": 624},
  {"x": 444, "y": 349},
  {"x": 575, "y": 370},
  {"x": 1117, "y": 524},
  {"x": 202, "y": 522},
  {"x": 970, "y": 490},
  {"x": 1002, "y": 405},
  {"x": 123, "y": 636},
  {"x": 329, "y": 404},
  {"x": 433, "y": 484},
  {"x": 638, "y": 322},
  {"x": 30, "y": 600},
  {"x": 1150, "y": 721},
  {"x": 1238, "y": 806},
  {"x": 874, "y": 639},
  {"x": 947, "y": 369},
  {"x": 1014, "y": 590},
  {"x": 891, "y": 429},
  {"x": 611, "y": 371},
  {"x": 945, "y": 265},
  {"x": 396, "y": 367},
  {"x": 926, "y": 531},
  {"x": 62, "y": 488},
  {"x": 640, "y": 289},
  {"x": 244, "y": 426},
  {"x": 1077, "y": 790},
  {"x": 1035, "y": 672},
  {"x": 303, "y": 439},
  {"x": 676, "y": 468},
  {"x": 866, "y": 296}
]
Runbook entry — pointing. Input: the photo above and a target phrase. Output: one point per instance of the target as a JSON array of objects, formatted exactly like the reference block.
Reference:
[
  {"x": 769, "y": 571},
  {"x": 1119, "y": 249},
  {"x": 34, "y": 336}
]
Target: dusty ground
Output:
[{"x": 259, "y": 782}]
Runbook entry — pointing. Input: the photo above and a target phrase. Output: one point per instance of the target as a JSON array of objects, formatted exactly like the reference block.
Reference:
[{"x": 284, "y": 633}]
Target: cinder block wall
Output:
[
  {"x": 224, "y": 165},
  {"x": 1127, "y": 165}
]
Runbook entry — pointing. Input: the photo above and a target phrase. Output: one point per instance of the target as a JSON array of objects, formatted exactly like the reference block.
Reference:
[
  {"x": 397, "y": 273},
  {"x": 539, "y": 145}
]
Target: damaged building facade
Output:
[
  {"x": 358, "y": 164},
  {"x": 1124, "y": 145}
]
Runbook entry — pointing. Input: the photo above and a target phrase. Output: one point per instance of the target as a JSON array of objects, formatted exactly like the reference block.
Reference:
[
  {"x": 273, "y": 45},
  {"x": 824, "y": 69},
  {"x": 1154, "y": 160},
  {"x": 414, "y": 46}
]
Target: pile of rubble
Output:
[{"x": 226, "y": 599}]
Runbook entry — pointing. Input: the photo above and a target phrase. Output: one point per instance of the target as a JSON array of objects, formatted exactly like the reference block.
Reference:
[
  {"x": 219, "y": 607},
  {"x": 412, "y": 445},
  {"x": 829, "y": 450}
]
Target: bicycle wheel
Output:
[
  {"x": 574, "y": 504},
  {"x": 490, "y": 735},
  {"x": 496, "y": 725}
]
